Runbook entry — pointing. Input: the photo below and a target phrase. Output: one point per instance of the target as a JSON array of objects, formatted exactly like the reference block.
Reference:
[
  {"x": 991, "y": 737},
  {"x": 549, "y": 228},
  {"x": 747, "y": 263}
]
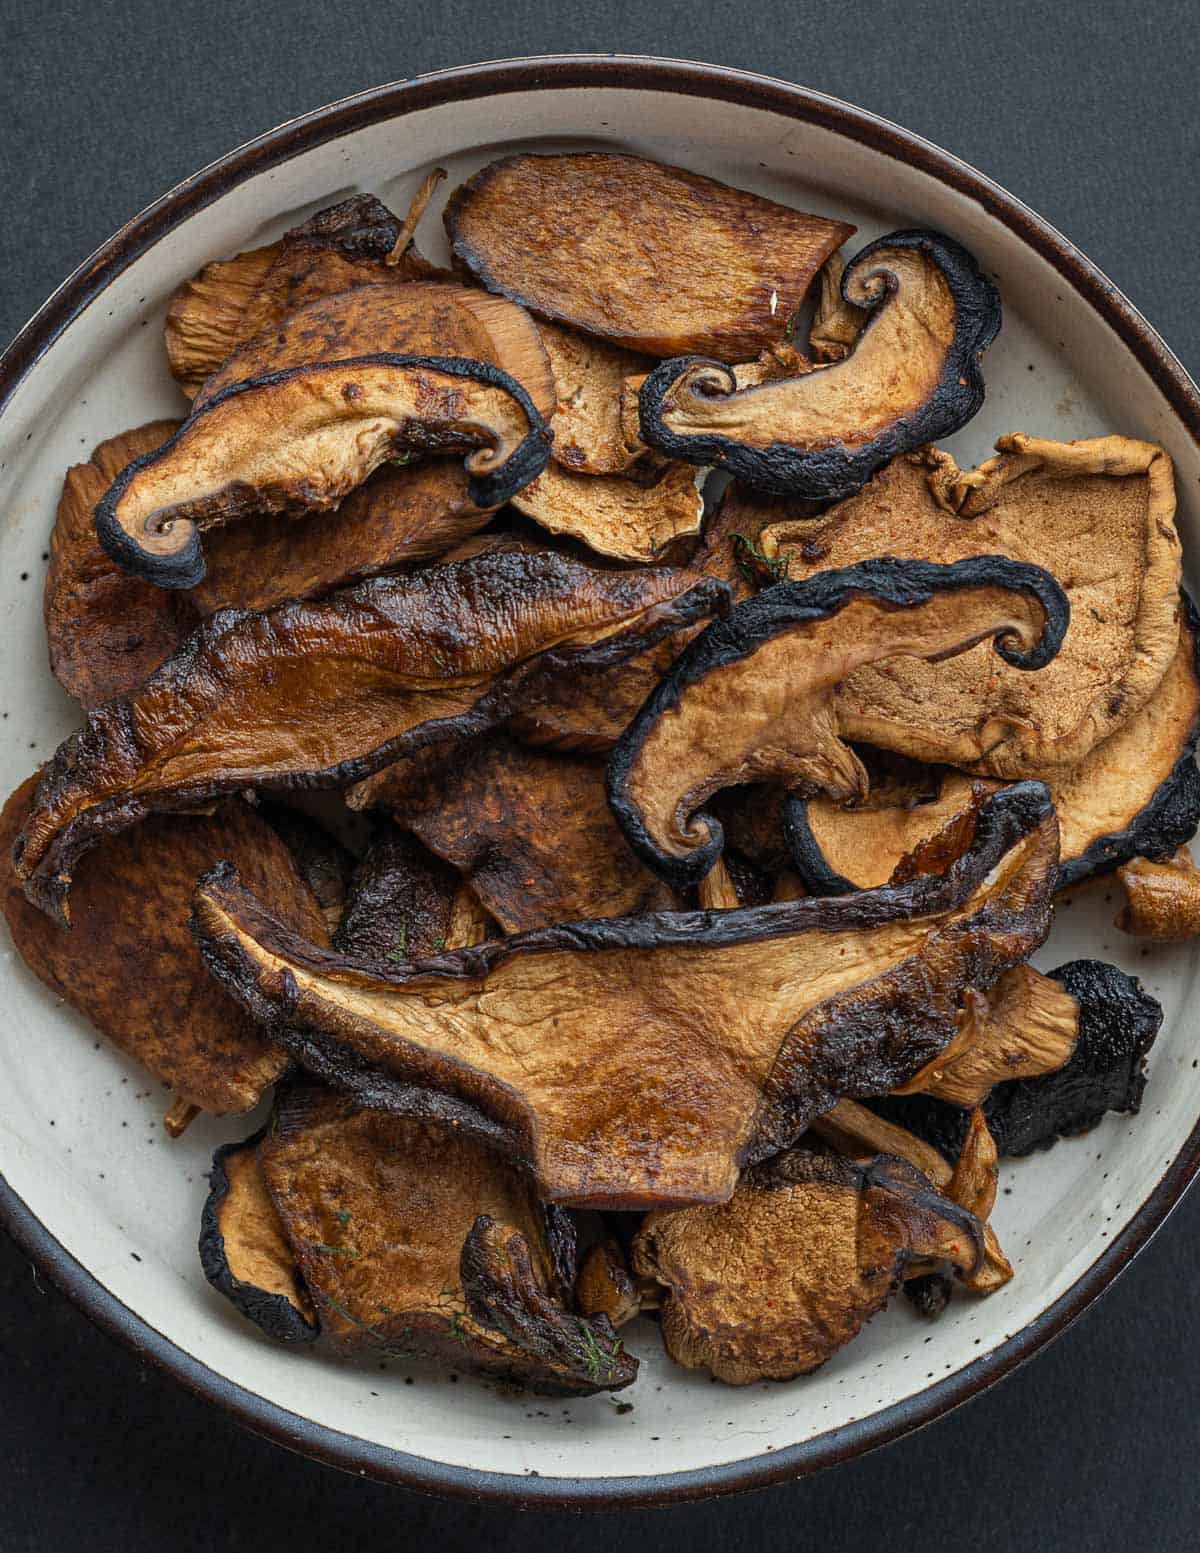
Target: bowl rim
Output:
[{"x": 393, "y": 100}]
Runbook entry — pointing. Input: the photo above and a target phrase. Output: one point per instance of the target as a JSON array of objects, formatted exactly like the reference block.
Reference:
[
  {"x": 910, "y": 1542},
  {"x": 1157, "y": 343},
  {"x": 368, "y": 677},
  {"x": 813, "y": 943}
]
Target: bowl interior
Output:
[{"x": 81, "y": 1140}]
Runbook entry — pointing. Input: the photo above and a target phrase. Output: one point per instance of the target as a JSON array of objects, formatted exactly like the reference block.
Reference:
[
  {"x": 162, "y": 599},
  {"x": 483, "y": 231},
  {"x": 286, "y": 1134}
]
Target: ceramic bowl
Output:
[{"x": 92, "y": 1188}]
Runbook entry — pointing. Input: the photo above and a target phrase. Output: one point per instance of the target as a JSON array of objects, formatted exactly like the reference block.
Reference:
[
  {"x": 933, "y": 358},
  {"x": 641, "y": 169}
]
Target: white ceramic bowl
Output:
[{"x": 93, "y": 1189}]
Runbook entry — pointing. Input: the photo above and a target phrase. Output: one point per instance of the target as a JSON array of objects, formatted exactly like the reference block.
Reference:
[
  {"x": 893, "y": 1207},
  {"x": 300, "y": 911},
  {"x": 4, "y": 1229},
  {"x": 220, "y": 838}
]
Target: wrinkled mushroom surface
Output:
[
  {"x": 105, "y": 630},
  {"x": 321, "y": 694},
  {"x": 400, "y": 902},
  {"x": 653, "y": 258},
  {"x": 913, "y": 375},
  {"x": 754, "y": 698},
  {"x": 1098, "y": 515},
  {"x": 640, "y": 1061},
  {"x": 130, "y": 964},
  {"x": 628, "y": 519},
  {"x": 770, "y": 1284},
  {"x": 1162, "y": 900},
  {"x": 244, "y": 1251}
]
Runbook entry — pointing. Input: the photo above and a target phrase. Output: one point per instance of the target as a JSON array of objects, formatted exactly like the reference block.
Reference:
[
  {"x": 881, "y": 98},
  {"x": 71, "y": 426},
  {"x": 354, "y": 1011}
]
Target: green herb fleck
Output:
[
  {"x": 400, "y": 952},
  {"x": 599, "y": 1365},
  {"x": 342, "y": 1216},
  {"x": 438, "y": 945},
  {"x": 753, "y": 562},
  {"x": 346, "y": 1251},
  {"x": 456, "y": 1329}
]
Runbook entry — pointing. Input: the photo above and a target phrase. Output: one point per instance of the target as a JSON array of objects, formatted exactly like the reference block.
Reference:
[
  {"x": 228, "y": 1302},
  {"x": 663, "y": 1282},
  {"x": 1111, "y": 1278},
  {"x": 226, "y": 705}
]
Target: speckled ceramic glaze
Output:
[{"x": 92, "y": 1186}]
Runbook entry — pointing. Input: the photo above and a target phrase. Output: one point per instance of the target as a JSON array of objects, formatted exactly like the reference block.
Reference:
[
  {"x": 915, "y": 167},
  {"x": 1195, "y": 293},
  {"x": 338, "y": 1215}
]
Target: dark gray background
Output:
[{"x": 1085, "y": 110}]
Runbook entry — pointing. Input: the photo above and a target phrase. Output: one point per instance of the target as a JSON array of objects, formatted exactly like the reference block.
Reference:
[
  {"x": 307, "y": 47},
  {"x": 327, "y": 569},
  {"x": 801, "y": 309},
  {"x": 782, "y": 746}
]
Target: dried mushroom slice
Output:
[
  {"x": 589, "y": 377},
  {"x": 321, "y": 694},
  {"x": 232, "y": 300},
  {"x": 629, "y": 519},
  {"x": 770, "y": 1284},
  {"x": 244, "y": 1252},
  {"x": 105, "y": 630},
  {"x": 402, "y": 516},
  {"x": 586, "y": 1050},
  {"x": 457, "y": 1262},
  {"x": 1162, "y": 900},
  {"x": 131, "y": 965},
  {"x": 325, "y": 865},
  {"x": 755, "y": 697},
  {"x": 836, "y": 323},
  {"x": 300, "y": 439},
  {"x": 604, "y": 1286},
  {"x": 913, "y": 375},
  {"x": 531, "y": 832},
  {"x": 1098, "y": 515},
  {"x": 401, "y": 900},
  {"x": 653, "y": 258},
  {"x": 1118, "y": 1021}
]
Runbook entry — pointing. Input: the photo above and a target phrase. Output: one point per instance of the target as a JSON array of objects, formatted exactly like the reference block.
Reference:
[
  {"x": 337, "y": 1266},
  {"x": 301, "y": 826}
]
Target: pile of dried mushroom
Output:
[{"x": 713, "y": 821}]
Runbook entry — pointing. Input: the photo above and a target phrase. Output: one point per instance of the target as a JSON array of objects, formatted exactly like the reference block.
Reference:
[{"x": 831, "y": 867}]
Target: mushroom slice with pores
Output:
[
  {"x": 770, "y": 1284},
  {"x": 1097, "y": 514},
  {"x": 913, "y": 375},
  {"x": 1118, "y": 1021},
  {"x": 105, "y": 630},
  {"x": 754, "y": 699},
  {"x": 131, "y": 966},
  {"x": 586, "y": 1051},
  {"x": 326, "y": 693},
  {"x": 301, "y": 439},
  {"x": 653, "y": 258},
  {"x": 244, "y": 1251},
  {"x": 459, "y": 1262},
  {"x": 354, "y": 243},
  {"x": 530, "y": 830}
]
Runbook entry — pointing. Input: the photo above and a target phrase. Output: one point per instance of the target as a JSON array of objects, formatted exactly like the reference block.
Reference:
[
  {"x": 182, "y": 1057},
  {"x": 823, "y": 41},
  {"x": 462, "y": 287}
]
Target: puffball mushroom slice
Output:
[
  {"x": 753, "y": 698},
  {"x": 913, "y": 375}
]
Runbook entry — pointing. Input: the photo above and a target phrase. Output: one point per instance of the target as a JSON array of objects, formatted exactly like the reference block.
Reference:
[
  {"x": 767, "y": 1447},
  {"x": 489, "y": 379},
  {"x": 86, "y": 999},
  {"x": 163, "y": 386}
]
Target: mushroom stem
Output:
[
  {"x": 179, "y": 1116},
  {"x": 420, "y": 203}
]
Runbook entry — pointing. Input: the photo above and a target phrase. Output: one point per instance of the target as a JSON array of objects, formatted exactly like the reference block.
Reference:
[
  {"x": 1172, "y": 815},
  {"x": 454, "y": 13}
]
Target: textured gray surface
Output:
[{"x": 1086, "y": 111}]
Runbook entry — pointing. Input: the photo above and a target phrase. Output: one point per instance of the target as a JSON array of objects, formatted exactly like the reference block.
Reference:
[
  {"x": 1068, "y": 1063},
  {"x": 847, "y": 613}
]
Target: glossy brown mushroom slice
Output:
[
  {"x": 755, "y": 697},
  {"x": 653, "y": 258},
  {"x": 105, "y": 630},
  {"x": 1098, "y": 515},
  {"x": 640, "y": 1061},
  {"x": 530, "y": 830},
  {"x": 1162, "y": 900},
  {"x": 322, "y": 694},
  {"x": 232, "y": 300},
  {"x": 913, "y": 375},
  {"x": 300, "y": 439},
  {"x": 244, "y": 1251},
  {"x": 130, "y": 965},
  {"x": 414, "y": 1239},
  {"x": 401, "y": 900},
  {"x": 322, "y": 861},
  {"x": 770, "y": 1284}
]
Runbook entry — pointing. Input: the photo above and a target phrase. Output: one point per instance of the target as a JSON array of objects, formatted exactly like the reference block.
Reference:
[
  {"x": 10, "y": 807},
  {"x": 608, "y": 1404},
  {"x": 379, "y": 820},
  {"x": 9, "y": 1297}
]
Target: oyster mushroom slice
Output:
[
  {"x": 653, "y": 258},
  {"x": 321, "y": 694},
  {"x": 754, "y": 698},
  {"x": 913, "y": 375},
  {"x": 304, "y": 438},
  {"x": 641, "y": 1061},
  {"x": 770, "y": 1284}
]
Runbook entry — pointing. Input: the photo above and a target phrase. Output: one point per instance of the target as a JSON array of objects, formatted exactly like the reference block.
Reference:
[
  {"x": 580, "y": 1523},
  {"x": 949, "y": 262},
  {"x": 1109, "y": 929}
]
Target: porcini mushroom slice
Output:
[
  {"x": 629, "y": 519},
  {"x": 321, "y": 694},
  {"x": 244, "y": 1252},
  {"x": 105, "y": 630},
  {"x": 589, "y": 377},
  {"x": 640, "y": 1061},
  {"x": 1097, "y": 514},
  {"x": 604, "y": 1286},
  {"x": 1118, "y": 1021},
  {"x": 232, "y": 300},
  {"x": 303, "y": 438},
  {"x": 131, "y": 966},
  {"x": 913, "y": 375},
  {"x": 417, "y": 1240},
  {"x": 770, "y": 1284},
  {"x": 530, "y": 830},
  {"x": 754, "y": 698},
  {"x": 1162, "y": 900},
  {"x": 654, "y": 258}
]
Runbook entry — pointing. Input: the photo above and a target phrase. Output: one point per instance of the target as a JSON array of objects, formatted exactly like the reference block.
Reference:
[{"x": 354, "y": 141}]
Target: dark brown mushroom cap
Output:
[
  {"x": 303, "y": 438},
  {"x": 654, "y": 258},
  {"x": 318, "y": 694},
  {"x": 752, "y": 699},
  {"x": 773, "y": 1282},
  {"x": 914, "y": 375},
  {"x": 639, "y": 1061},
  {"x": 244, "y": 1251}
]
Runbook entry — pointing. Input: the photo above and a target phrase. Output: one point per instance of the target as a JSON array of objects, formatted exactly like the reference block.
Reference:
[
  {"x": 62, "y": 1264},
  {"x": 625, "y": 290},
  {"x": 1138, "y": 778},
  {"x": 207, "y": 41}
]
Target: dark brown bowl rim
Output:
[{"x": 558, "y": 72}]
